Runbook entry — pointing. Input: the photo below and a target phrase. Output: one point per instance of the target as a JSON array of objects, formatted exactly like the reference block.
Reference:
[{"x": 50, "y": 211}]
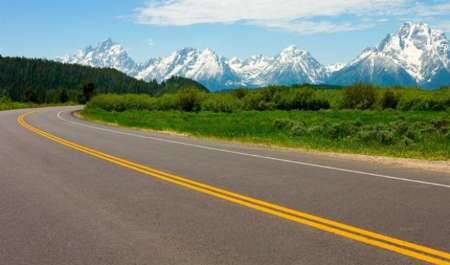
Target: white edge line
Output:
[{"x": 254, "y": 155}]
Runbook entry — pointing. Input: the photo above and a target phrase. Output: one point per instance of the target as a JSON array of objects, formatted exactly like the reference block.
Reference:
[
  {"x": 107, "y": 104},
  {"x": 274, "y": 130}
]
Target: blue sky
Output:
[{"x": 332, "y": 30}]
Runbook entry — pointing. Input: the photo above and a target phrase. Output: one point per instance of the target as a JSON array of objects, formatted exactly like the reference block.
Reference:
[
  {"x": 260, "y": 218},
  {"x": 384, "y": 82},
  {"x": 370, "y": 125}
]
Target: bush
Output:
[
  {"x": 298, "y": 130},
  {"x": 316, "y": 130},
  {"x": 378, "y": 133},
  {"x": 108, "y": 102},
  {"x": 271, "y": 98},
  {"x": 389, "y": 100},
  {"x": 221, "y": 103},
  {"x": 299, "y": 99},
  {"x": 239, "y": 93},
  {"x": 339, "y": 130},
  {"x": 439, "y": 124},
  {"x": 283, "y": 124},
  {"x": 419, "y": 100},
  {"x": 385, "y": 137},
  {"x": 167, "y": 102},
  {"x": 119, "y": 103},
  {"x": 4, "y": 99},
  {"x": 256, "y": 101},
  {"x": 190, "y": 99},
  {"x": 359, "y": 96}
]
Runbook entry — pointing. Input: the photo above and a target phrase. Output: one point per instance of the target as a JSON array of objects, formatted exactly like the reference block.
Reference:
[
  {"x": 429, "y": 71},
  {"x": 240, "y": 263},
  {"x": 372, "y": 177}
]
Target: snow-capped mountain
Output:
[
  {"x": 106, "y": 54},
  {"x": 204, "y": 66},
  {"x": 415, "y": 55},
  {"x": 331, "y": 68},
  {"x": 293, "y": 66},
  {"x": 290, "y": 66},
  {"x": 372, "y": 66}
]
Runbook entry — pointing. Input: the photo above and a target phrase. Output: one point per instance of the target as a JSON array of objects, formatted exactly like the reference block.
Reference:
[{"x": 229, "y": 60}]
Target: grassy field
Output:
[{"x": 412, "y": 134}]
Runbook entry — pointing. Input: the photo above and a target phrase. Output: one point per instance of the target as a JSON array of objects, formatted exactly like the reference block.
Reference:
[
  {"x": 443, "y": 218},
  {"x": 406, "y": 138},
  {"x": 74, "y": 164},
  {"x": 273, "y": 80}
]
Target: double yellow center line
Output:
[{"x": 405, "y": 248}]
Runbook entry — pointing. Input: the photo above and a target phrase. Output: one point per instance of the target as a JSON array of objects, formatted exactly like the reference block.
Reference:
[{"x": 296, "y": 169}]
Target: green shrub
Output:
[
  {"x": 316, "y": 130},
  {"x": 119, "y": 103},
  {"x": 221, "y": 103},
  {"x": 412, "y": 134},
  {"x": 283, "y": 124},
  {"x": 239, "y": 93},
  {"x": 389, "y": 100},
  {"x": 167, "y": 102},
  {"x": 298, "y": 130},
  {"x": 190, "y": 99},
  {"x": 406, "y": 141},
  {"x": 257, "y": 101},
  {"x": 385, "y": 137},
  {"x": 4, "y": 99},
  {"x": 400, "y": 127},
  {"x": 339, "y": 130},
  {"x": 420, "y": 100},
  {"x": 359, "y": 96},
  {"x": 108, "y": 102},
  {"x": 439, "y": 124},
  {"x": 300, "y": 99},
  {"x": 379, "y": 133}
]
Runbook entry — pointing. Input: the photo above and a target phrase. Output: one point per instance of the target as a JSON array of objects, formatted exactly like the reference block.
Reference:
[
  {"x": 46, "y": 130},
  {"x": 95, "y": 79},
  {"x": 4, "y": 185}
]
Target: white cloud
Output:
[
  {"x": 301, "y": 16},
  {"x": 423, "y": 10},
  {"x": 442, "y": 25},
  {"x": 310, "y": 27}
]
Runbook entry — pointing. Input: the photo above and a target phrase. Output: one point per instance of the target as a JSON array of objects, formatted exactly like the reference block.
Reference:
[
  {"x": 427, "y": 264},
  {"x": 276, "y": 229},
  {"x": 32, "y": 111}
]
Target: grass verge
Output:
[
  {"x": 422, "y": 135},
  {"x": 15, "y": 105},
  {"x": 11, "y": 105}
]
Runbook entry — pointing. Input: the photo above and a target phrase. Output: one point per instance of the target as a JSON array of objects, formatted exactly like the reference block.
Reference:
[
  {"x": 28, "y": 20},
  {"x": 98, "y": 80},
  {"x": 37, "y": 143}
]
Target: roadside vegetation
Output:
[
  {"x": 358, "y": 119},
  {"x": 7, "y": 104}
]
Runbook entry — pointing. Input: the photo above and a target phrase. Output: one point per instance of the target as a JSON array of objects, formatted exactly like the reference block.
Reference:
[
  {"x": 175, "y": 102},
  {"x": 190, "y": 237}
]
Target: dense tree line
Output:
[
  {"x": 358, "y": 96},
  {"x": 45, "y": 81}
]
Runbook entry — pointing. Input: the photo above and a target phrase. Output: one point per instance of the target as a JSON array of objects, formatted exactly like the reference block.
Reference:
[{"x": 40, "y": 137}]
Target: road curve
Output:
[{"x": 73, "y": 192}]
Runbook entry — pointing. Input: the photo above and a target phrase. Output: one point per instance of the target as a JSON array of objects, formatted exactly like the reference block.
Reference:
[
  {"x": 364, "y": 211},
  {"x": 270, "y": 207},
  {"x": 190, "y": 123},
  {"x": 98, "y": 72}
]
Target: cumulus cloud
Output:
[{"x": 302, "y": 16}]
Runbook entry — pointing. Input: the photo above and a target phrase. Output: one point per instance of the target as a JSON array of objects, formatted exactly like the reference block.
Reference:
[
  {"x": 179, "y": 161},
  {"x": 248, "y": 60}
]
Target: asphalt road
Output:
[{"x": 60, "y": 205}]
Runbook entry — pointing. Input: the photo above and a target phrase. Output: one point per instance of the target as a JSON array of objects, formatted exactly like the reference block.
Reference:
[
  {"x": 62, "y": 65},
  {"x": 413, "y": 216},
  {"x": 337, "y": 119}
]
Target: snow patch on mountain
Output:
[
  {"x": 331, "y": 68},
  {"x": 106, "y": 54}
]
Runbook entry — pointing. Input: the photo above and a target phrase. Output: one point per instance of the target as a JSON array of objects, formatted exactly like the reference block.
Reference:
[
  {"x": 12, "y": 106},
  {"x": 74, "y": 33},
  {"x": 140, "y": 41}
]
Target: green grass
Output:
[
  {"x": 14, "y": 105},
  {"x": 423, "y": 134},
  {"x": 11, "y": 105}
]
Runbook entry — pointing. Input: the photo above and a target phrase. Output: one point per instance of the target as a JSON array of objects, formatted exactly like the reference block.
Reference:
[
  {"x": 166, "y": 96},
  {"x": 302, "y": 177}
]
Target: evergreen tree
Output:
[{"x": 40, "y": 81}]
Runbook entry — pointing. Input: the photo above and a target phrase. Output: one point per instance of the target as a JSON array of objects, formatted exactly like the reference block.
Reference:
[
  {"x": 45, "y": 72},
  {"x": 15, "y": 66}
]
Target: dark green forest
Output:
[{"x": 45, "y": 81}]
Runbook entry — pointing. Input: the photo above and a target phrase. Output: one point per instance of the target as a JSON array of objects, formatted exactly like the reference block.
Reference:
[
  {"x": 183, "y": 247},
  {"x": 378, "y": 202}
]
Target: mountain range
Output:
[{"x": 416, "y": 55}]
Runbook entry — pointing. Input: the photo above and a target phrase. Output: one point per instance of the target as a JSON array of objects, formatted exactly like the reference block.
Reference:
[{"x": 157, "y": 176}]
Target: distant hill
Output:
[
  {"x": 177, "y": 83},
  {"x": 40, "y": 80}
]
